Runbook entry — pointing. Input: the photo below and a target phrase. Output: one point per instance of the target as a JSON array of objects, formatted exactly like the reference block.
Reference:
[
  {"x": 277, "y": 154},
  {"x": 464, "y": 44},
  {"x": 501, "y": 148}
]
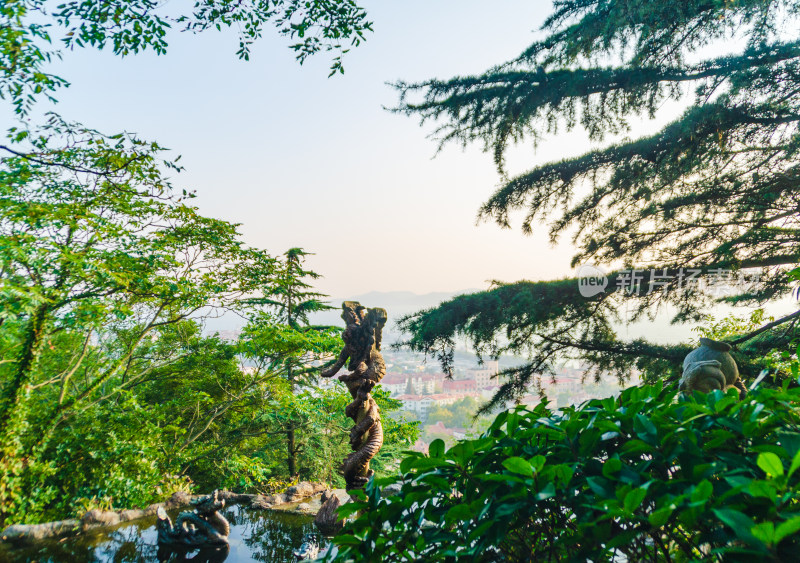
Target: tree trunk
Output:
[
  {"x": 12, "y": 394},
  {"x": 292, "y": 459}
]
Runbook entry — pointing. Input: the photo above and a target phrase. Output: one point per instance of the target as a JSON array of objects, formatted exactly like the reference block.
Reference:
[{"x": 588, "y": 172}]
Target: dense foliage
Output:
[
  {"x": 704, "y": 210},
  {"x": 646, "y": 476},
  {"x": 111, "y": 394},
  {"x": 112, "y": 391}
]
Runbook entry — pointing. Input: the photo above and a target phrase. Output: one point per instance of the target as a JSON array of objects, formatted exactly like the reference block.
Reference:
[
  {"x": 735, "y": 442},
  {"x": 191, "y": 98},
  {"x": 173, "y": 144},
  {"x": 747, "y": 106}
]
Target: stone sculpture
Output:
[
  {"x": 203, "y": 526},
  {"x": 326, "y": 519},
  {"x": 710, "y": 367},
  {"x": 361, "y": 353},
  {"x": 308, "y": 550}
]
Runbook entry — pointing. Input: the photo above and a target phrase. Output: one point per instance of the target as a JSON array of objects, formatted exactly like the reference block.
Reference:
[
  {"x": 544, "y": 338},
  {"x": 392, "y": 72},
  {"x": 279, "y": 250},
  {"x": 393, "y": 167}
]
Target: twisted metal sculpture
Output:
[{"x": 362, "y": 345}]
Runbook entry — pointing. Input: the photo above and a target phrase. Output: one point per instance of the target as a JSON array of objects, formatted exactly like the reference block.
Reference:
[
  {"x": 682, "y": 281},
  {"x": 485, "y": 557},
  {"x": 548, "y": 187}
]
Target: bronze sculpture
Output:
[
  {"x": 204, "y": 526},
  {"x": 710, "y": 367},
  {"x": 362, "y": 345}
]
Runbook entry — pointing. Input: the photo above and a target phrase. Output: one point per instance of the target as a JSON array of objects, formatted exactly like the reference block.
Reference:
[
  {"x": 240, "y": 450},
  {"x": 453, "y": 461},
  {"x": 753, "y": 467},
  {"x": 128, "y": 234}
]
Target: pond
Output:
[{"x": 256, "y": 535}]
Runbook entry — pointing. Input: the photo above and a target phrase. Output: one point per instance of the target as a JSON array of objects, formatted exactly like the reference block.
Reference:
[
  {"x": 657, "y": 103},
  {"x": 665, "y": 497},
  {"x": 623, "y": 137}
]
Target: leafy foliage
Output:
[
  {"x": 110, "y": 395},
  {"x": 714, "y": 191},
  {"x": 648, "y": 476},
  {"x": 131, "y": 26}
]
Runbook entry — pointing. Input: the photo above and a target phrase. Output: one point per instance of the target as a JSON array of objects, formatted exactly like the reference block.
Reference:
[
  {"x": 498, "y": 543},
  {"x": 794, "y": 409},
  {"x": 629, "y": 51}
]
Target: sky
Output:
[{"x": 300, "y": 159}]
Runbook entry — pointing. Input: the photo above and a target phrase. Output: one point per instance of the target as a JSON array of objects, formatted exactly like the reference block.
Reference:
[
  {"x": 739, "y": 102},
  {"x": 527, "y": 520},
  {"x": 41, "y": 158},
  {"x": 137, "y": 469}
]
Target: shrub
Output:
[{"x": 651, "y": 475}]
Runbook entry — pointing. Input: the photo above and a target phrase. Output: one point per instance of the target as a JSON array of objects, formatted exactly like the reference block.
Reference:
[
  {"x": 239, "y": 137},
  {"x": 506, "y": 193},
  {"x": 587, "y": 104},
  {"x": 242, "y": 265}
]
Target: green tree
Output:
[
  {"x": 95, "y": 264},
  {"x": 710, "y": 194},
  {"x": 287, "y": 341},
  {"x": 28, "y": 28},
  {"x": 105, "y": 271}
]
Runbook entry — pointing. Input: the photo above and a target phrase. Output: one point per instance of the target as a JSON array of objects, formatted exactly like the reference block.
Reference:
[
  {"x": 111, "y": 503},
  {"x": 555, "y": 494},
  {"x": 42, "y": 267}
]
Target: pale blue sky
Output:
[{"x": 303, "y": 160}]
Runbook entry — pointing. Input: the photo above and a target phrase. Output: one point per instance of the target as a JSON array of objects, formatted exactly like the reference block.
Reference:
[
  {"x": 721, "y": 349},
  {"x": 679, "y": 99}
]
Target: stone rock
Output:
[
  {"x": 709, "y": 367},
  {"x": 303, "y": 507},
  {"x": 30, "y": 533},
  {"x": 391, "y": 490},
  {"x": 97, "y": 517},
  {"x": 303, "y": 489},
  {"x": 260, "y": 502},
  {"x": 177, "y": 500},
  {"x": 326, "y": 519},
  {"x": 125, "y": 515},
  {"x": 235, "y": 498}
]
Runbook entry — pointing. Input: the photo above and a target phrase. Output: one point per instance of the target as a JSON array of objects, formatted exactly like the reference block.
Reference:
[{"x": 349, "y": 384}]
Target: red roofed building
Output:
[{"x": 459, "y": 385}]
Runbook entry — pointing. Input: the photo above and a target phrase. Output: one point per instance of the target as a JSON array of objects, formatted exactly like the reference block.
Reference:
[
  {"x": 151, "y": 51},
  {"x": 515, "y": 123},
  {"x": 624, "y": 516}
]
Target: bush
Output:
[{"x": 649, "y": 476}]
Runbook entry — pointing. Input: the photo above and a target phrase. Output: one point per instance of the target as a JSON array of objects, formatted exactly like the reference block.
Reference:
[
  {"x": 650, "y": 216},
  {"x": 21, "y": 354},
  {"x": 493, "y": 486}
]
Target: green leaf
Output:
[
  {"x": 764, "y": 489},
  {"x": 795, "y": 463},
  {"x": 787, "y": 528},
  {"x": 702, "y": 491},
  {"x": 611, "y": 466},
  {"x": 436, "y": 448},
  {"x": 518, "y": 465},
  {"x": 634, "y": 499},
  {"x": 457, "y": 513},
  {"x": 659, "y": 517},
  {"x": 549, "y": 491},
  {"x": 765, "y": 532},
  {"x": 770, "y": 464},
  {"x": 600, "y": 487},
  {"x": 740, "y": 523}
]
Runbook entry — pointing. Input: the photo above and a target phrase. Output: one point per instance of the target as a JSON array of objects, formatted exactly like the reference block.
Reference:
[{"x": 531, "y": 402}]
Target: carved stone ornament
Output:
[
  {"x": 711, "y": 367},
  {"x": 362, "y": 355}
]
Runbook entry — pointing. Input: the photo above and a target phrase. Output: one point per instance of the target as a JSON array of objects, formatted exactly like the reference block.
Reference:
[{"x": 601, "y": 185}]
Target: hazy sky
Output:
[{"x": 303, "y": 160}]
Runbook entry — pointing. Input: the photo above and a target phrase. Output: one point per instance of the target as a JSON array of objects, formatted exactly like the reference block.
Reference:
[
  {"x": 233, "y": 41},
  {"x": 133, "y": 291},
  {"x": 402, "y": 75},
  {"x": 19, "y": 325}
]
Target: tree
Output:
[
  {"x": 98, "y": 256},
  {"x": 106, "y": 271},
  {"x": 286, "y": 340},
  {"x": 712, "y": 194},
  {"x": 130, "y": 27}
]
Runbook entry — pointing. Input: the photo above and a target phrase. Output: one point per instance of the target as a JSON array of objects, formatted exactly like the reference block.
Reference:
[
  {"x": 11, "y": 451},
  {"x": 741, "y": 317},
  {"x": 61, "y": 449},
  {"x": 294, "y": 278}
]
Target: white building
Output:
[{"x": 484, "y": 374}]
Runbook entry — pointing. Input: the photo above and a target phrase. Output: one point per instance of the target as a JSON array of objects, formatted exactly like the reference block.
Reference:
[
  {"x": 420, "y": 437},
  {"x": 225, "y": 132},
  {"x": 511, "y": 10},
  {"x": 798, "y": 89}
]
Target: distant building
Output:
[
  {"x": 395, "y": 383},
  {"x": 459, "y": 386},
  {"x": 422, "y": 404},
  {"x": 484, "y": 375}
]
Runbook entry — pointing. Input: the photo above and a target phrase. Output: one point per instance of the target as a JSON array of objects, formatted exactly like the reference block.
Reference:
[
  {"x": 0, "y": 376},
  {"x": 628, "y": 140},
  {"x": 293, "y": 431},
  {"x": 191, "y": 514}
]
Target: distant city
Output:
[{"x": 429, "y": 396}]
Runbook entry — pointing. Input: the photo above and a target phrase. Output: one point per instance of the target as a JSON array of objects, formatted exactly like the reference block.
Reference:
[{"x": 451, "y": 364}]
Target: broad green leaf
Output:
[
  {"x": 787, "y": 528},
  {"x": 458, "y": 513},
  {"x": 518, "y": 465},
  {"x": 436, "y": 448},
  {"x": 770, "y": 464},
  {"x": 611, "y": 466},
  {"x": 740, "y": 523},
  {"x": 634, "y": 499},
  {"x": 795, "y": 463},
  {"x": 765, "y": 532},
  {"x": 702, "y": 491},
  {"x": 659, "y": 517}
]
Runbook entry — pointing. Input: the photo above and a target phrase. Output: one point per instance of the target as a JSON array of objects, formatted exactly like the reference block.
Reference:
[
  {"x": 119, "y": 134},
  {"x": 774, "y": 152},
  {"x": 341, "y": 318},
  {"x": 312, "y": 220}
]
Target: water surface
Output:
[{"x": 256, "y": 535}]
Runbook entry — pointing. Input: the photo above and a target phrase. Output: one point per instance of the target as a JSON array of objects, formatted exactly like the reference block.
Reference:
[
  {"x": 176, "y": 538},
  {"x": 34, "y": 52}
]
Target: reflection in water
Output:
[
  {"x": 215, "y": 554},
  {"x": 265, "y": 536}
]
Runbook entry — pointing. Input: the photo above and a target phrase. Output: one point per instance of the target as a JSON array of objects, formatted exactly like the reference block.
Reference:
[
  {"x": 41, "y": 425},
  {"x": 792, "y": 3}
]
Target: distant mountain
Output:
[{"x": 396, "y": 303}]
